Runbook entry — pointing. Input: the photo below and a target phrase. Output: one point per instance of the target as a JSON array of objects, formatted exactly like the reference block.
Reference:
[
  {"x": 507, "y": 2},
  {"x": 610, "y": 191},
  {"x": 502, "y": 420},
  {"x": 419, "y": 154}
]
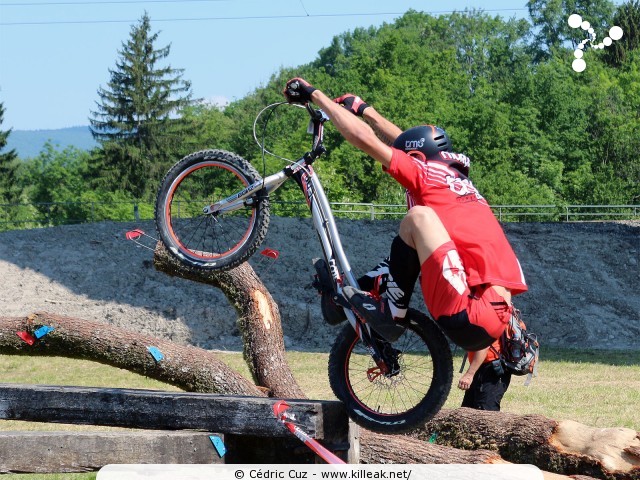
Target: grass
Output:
[{"x": 597, "y": 387}]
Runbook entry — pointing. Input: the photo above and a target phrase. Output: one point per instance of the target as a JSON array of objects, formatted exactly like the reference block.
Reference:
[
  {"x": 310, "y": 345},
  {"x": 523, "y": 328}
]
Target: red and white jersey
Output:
[{"x": 440, "y": 183}]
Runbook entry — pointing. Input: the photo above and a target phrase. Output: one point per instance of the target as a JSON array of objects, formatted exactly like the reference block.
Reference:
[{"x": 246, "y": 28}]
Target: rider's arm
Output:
[
  {"x": 478, "y": 359},
  {"x": 355, "y": 131},
  {"x": 386, "y": 131}
]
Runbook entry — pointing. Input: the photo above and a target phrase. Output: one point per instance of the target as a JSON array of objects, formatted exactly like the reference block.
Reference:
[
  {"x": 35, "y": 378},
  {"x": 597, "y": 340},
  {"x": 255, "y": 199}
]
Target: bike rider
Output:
[{"x": 450, "y": 236}]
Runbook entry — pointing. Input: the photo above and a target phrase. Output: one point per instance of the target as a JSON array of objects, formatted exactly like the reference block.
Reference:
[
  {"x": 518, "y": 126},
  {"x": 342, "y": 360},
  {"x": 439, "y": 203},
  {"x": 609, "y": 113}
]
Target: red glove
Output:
[
  {"x": 298, "y": 90},
  {"x": 352, "y": 103}
]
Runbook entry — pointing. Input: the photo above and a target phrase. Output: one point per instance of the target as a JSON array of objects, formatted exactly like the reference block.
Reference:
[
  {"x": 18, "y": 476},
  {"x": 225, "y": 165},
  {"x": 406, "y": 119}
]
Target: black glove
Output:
[
  {"x": 352, "y": 103},
  {"x": 298, "y": 90}
]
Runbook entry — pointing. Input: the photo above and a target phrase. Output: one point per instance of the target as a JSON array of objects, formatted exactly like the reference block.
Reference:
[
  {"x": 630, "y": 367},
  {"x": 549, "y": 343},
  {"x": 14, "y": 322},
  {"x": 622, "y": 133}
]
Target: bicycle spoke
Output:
[
  {"x": 206, "y": 237},
  {"x": 392, "y": 394}
]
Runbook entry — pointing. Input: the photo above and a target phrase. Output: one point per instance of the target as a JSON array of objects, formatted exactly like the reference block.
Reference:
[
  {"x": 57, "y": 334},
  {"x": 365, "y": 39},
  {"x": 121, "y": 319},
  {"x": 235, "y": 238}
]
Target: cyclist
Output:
[{"x": 450, "y": 236}]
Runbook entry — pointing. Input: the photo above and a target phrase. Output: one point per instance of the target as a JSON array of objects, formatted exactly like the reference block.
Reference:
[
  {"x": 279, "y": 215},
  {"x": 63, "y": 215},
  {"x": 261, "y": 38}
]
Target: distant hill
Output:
[{"x": 29, "y": 143}]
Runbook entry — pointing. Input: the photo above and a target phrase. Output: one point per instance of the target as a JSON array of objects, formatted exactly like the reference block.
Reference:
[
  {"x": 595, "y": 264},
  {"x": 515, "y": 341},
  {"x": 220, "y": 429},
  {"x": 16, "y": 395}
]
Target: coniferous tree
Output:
[
  {"x": 627, "y": 17},
  {"x": 137, "y": 120},
  {"x": 9, "y": 164}
]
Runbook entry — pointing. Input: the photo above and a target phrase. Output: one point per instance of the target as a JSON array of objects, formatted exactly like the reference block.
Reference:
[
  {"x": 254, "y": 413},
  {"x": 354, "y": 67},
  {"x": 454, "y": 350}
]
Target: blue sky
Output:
[{"x": 55, "y": 54}]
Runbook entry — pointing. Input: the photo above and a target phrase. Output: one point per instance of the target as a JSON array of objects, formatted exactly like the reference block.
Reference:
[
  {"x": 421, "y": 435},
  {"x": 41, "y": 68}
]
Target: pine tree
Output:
[
  {"x": 627, "y": 17},
  {"x": 9, "y": 164},
  {"x": 138, "y": 115}
]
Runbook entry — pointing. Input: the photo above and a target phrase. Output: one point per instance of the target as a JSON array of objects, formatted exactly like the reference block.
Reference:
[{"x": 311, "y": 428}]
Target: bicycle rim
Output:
[
  {"x": 206, "y": 237},
  {"x": 390, "y": 395}
]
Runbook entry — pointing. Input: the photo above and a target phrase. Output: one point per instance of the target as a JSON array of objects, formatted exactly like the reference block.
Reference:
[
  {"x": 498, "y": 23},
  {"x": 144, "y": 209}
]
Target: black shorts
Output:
[
  {"x": 463, "y": 333},
  {"x": 487, "y": 389}
]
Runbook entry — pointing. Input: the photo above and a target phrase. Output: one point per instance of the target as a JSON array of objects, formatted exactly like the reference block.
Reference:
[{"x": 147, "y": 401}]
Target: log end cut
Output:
[{"x": 616, "y": 449}]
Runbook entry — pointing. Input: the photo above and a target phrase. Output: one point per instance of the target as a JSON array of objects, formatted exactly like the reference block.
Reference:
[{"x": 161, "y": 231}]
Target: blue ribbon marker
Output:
[
  {"x": 42, "y": 331},
  {"x": 218, "y": 444},
  {"x": 155, "y": 353}
]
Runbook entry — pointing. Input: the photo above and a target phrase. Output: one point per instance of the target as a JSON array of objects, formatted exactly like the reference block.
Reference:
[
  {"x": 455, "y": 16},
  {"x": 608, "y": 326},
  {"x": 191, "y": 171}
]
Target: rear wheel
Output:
[
  {"x": 211, "y": 241},
  {"x": 411, "y": 393}
]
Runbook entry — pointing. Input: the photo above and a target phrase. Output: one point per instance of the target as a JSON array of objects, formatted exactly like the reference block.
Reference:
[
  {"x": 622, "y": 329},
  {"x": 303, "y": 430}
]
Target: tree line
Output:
[{"x": 537, "y": 132}]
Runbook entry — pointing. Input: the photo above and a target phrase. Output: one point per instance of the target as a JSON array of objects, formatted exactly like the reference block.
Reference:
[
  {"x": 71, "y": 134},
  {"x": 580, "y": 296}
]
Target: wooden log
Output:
[
  {"x": 565, "y": 447},
  {"x": 258, "y": 322},
  {"x": 186, "y": 367},
  {"x": 378, "y": 448},
  {"x": 65, "y": 452}
]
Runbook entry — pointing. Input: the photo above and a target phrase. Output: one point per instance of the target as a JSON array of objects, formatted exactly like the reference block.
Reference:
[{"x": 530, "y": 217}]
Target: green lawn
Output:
[{"x": 597, "y": 388}]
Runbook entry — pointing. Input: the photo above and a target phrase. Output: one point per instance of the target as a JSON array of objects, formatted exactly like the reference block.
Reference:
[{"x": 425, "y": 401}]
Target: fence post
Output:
[
  {"x": 373, "y": 211},
  {"x": 136, "y": 214}
]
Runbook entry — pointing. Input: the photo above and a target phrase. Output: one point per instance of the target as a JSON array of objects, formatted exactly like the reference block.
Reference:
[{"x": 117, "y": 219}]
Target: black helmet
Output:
[{"x": 423, "y": 141}]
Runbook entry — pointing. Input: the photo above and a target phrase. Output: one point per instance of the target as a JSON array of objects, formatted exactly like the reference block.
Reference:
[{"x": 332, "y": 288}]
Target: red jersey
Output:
[{"x": 440, "y": 183}]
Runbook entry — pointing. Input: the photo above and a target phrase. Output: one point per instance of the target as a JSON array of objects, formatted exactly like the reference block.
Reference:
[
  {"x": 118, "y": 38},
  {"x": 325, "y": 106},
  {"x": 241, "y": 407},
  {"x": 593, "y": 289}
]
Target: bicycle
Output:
[{"x": 213, "y": 211}]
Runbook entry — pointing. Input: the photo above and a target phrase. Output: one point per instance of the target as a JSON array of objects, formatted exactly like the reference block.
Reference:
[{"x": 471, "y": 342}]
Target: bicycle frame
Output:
[{"x": 321, "y": 213}]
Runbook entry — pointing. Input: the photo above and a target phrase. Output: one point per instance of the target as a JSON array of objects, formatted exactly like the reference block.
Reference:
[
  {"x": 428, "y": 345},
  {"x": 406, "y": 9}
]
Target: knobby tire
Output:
[
  {"x": 205, "y": 241},
  {"x": 397, "y": 403}
]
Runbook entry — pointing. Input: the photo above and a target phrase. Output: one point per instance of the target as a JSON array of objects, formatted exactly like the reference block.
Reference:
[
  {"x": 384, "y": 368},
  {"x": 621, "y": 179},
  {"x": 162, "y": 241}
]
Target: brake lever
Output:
[{"x": 316, "y": 114}]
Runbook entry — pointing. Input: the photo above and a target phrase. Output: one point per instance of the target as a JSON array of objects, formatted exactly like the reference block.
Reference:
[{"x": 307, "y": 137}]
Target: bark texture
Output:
[
  {"x": 565, "y": 447},
  {"x": 379, "y": 448},
  {"x": 258, "y": 320},
  {"x": 190, "y": 368}
]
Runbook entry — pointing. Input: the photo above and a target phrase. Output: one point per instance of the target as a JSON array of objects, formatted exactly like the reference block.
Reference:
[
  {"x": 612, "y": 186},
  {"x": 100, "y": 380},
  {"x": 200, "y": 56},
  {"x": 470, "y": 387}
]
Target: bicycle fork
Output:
[{"x": 383, "y": 354}]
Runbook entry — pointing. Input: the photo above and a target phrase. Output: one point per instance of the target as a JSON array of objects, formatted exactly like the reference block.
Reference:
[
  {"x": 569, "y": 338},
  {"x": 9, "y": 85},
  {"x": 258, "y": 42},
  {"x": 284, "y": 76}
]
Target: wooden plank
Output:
[
  {"x": 157, "y": 410},
  {"x": 64, "y": 452}
]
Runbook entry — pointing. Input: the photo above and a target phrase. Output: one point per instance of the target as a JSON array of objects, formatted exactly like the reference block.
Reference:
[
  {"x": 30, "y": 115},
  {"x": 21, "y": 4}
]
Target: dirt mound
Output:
[{"x": 583, "y": 280}]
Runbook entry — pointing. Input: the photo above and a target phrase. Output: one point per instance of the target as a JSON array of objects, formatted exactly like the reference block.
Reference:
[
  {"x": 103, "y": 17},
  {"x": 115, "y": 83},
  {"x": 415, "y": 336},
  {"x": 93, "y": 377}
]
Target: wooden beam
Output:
[
  {"x": 157, "y": 410},
  {"x": 64, "y": 452}
]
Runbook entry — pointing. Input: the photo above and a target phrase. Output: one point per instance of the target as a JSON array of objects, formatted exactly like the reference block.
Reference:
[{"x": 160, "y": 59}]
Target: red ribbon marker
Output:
[
  {"x": 271, "y": 253},
  {"x": 279, "y": 409},
  {"x": 134, "y": 234},
  {"x": 27, "y": 337}
]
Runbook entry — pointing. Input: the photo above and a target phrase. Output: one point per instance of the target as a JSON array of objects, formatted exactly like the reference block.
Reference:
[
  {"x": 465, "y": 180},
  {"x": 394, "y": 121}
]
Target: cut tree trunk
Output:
[
  {"x": 377, "y": 448},
  {"x": 565, "y": 447},
  {"x": 258, "y": 320},
  {"x": 190, "y": 368}
]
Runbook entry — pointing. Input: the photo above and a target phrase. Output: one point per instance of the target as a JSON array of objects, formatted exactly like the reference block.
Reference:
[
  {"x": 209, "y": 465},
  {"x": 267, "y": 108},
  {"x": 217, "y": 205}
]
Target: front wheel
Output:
[
  {"x": 400, "y": 400},
  {"x": 217, "y": 240}
]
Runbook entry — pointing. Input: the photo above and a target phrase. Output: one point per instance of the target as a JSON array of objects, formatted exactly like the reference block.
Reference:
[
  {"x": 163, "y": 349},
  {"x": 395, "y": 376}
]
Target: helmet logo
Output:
[{"x": 414, "y": 144}]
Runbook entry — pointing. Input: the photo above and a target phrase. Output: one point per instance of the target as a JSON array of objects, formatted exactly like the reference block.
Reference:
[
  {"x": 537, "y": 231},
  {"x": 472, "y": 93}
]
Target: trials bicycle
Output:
[{"x": 212, "y": 213}]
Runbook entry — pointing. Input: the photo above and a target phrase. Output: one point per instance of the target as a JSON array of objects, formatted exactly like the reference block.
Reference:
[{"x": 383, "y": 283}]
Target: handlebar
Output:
[{"x": 316, "y": 114}]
